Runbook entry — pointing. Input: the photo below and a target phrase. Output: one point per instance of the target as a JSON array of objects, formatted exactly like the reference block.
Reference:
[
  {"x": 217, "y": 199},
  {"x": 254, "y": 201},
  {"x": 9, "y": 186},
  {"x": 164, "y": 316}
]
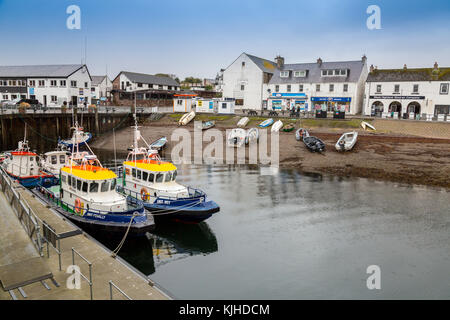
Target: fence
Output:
[
  {"x": 24, "y": 213},
  {"x": 111, "y": 286},
  {"x": 89, "y": 281}
]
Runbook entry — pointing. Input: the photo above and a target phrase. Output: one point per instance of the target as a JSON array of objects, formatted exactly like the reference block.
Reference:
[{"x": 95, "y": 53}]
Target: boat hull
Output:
[
  {"x": 183, "y": 210},
  {"x": 33, "y": 181},
  {"x": 69, "y": 144}
]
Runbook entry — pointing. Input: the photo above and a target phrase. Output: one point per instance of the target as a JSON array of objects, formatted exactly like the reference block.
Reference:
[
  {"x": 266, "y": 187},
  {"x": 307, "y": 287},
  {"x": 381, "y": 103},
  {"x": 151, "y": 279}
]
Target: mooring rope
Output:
[{"x": 116, "y": 250}]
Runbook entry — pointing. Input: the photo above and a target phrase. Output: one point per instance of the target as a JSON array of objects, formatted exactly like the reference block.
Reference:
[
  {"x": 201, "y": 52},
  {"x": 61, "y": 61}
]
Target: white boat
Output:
[
  {"x": 366, "y": 125},
  {"x": 236, "y": 138},
  {"x": 347, "y": 141},
  {"x": 79, "y": 137},
  {"x": 243, "y": 122},
  {"x": 53, "y": 161},
  {"x": 266, "y": 123},
  {"x": 277, "y": 126},
  {"x": 186, "y": 118},
  {"x": 252, "y": 135}
]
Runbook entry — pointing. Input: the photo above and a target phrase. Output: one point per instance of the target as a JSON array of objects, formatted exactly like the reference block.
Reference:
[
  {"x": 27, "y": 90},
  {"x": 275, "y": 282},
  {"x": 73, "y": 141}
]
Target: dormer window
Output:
[
  {"x": 300, "y": 74},
  {"x": 334, "y": 73},
  {"x": 284, "y": 74}
]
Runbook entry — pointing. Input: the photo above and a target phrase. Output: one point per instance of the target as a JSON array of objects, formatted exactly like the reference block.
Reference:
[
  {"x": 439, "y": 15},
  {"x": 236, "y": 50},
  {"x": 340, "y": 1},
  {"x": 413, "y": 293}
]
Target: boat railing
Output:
[
  {"x": 193, "y": 193},
  {"x": 111, "y": 286},
  {"x": 24, "y": 213},
  {"x": 135, "y": 203}
]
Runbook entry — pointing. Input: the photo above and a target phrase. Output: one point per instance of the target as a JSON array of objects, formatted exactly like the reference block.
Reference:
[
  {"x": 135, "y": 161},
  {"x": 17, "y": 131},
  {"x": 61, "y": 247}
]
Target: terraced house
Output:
[{"x": 419, "y": 93}]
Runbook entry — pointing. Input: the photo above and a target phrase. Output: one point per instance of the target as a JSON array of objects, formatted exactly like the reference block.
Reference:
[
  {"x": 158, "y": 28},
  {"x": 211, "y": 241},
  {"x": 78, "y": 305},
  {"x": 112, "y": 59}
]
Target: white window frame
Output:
[
  {"x": 345, "y": 87},
  {"x": 300, "y": 74},
  {"x": 444, "y": 85},
  {"x": 414, "y": 87},
  {"x": 284, "y": 74},
  {"x": 379, "y": 86}
]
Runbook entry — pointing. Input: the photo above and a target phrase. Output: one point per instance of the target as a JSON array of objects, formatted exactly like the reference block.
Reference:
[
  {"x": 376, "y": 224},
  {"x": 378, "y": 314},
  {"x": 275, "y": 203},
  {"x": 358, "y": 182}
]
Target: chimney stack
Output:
[
  {"x": 372, "y": 68},
  {"x": 319, "y": 61},
  {"x": 436, "y": 66},
  {"x": 364, "y": 59},
  {"x": 280, "y": 61},
  {"x": 405, "y": 67}
]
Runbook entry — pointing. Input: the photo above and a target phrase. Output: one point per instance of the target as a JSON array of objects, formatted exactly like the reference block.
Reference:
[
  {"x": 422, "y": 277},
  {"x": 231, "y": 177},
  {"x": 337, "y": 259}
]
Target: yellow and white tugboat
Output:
[
  {"x": 145, "y": 177},
  {"x": 86, "y": 194}
]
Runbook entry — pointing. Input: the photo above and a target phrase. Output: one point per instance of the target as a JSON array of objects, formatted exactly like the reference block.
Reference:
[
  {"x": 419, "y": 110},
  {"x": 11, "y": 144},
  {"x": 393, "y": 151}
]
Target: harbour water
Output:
[{"x": 297, "y": 236}]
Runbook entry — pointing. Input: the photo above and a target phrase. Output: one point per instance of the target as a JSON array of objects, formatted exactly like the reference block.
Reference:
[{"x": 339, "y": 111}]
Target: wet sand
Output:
[{"x": 382, "y": 156}]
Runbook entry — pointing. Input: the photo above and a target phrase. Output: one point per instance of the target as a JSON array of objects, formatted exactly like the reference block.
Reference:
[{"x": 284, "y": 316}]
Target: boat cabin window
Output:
[
  {"x": 85, "y": 186},
  {"x": 133, "y": 173},
  {"x": 168, "y": 176},
  {"x": 105, "y": 186},
  {"x": 139, "y": 174},
  {"x": 69, "y": 181},
  {"x": 113, "y": 184},
  {"x": 78, "y": 185},
  {"x": 54, "y": 160},
  {"x": 74, "y": 183},
  {"x": 62, "y": 159},
  {"x": 144, "y": 175},
  {"x": 159, "y": 177},
  {"x": 93, "y": 187},
  {"x": 151, "y": 177},
  {"x": 63, "y": 178},
  {"x": 174, "y": 175}
]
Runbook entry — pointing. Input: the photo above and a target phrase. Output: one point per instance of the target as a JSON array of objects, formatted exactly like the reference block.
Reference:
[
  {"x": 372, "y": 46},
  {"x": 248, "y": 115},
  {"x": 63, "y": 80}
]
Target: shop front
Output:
[
  {"x": 332, "y": 104},
  {"x": 288, "y": 101}
]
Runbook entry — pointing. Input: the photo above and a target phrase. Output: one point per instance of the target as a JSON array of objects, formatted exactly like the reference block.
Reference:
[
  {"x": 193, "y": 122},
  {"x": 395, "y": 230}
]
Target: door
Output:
[{"x": 45, "y": 100}]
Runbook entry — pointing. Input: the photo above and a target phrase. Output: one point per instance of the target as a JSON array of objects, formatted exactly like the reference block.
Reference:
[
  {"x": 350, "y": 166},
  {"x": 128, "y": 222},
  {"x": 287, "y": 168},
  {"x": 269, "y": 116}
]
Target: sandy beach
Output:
[{"x": 387, "y": 155}]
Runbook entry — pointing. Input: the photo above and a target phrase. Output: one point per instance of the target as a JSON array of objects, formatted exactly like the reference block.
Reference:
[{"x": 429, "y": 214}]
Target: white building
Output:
[
  {"x": 243, "y": 80},
  {"x": 51, "y": 85},
  {"x": 132, "y": 81},
  {"x": 101, "y": 87},
  {"x": 423, "y": 91}
]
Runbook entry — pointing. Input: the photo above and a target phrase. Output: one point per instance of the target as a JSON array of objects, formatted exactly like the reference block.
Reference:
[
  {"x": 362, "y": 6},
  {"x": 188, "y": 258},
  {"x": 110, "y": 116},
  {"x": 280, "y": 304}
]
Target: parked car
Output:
[
  {"x": 32, "y": 102},
  {"x": 11, "y": 103}
]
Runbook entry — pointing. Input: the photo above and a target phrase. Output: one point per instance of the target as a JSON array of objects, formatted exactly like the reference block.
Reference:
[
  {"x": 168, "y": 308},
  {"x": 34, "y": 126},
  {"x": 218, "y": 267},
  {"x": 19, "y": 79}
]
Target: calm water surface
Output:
[{"x": 294, "y": 236}]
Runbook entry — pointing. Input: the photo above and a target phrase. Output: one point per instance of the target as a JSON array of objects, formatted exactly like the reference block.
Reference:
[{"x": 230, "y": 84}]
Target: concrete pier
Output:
[{"x": 17, "y": 247}]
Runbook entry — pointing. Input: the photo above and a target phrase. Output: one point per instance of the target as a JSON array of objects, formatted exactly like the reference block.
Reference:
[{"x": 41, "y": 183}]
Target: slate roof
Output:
[
  {"x": 96, "y": 80},
  {"x": 314, "y": 72},
  {"x": 149, "y": 79},
  {"x": 39, "y": 71},
  {"x": 264, "y": 64},
  {"x": 399, "y": 75}
]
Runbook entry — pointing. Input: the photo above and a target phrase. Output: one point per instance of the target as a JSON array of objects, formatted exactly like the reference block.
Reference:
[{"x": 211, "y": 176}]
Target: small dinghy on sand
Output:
[
  {"x": 252, "y": 135},
  {"x": 314, "y": 144},
  {"x": 266, "y": 123},
  {"x": 366, "y": 126},
  {"x": 236, "y": 138},
  {"x": 206, "y": 125},
  {"x": 347, "y": 141},
  {"x": 288, "y": 128},
  {"x": 243, "y": 122},
  {"x": 277, "y": 126},
  {"x": 301, "y": 133},
  {"x": 185, "y": 119}
]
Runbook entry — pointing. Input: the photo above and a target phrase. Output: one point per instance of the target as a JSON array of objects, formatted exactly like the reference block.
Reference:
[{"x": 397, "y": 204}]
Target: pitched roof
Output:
[
  {"x": 314, "y": 72},
  {"x": 264, "y": 64},
  {"x": 36, "y": 71},
  {"x": 96, "y": 80},
  {"x": 149, "y": 79},
  {"x": 420, "y": 74}
]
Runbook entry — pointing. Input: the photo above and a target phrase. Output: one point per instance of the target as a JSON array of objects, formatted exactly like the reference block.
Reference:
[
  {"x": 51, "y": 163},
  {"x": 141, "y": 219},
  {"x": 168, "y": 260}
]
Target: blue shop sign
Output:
[
  {"x": 31, "y": 90},
  {"x": 325, "y": 99},
  {"x": 289, "y": 95}
]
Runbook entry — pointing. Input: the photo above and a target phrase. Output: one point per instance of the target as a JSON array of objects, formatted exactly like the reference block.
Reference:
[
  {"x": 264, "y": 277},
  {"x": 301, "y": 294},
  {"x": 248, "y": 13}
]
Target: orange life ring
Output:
[
  {"x": 78, "y": 205},
  {"x": 145, "y": 196},
  {"x": 127, "y": 171}
]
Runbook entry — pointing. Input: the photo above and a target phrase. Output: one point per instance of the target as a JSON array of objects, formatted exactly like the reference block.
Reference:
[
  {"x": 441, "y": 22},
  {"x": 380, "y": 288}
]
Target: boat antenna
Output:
[{"x": 115, "y": 156}]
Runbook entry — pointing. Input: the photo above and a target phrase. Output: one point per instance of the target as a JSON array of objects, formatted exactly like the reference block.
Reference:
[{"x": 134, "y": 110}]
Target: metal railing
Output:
[
  {"x": 51, "y": 237},
  {"x": 111, "y": 286},
  {"x": 23, "y": 211},
  {"x": 89, "y": 281}
]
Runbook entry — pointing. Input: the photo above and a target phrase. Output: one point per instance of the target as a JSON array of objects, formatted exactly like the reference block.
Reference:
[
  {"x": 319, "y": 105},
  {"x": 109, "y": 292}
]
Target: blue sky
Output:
[{"x": 198, "y": 37}]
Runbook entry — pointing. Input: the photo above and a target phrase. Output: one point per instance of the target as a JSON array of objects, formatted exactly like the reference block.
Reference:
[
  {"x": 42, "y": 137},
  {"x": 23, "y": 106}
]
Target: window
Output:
[
  {"x": 54, "y": 98},
  {"x": 52, "y": 83},
  {"x": 41, "y": 83},
  {"x": 242, "y": 87},
  {"x": 345, "y": 87},
  {"x": 300, "y": 88},
  {"x": 168, "y": 176},
  {"x": 63, "y": 178},
  {"x": 113, "y": 185},
  {"x": 93, "y": 187},
  {"x": 378, "y": 88},
  {"x": 69, "y": 181},
  {"x": 139, "y": 85},
  {"x": 32, "y": 83},
  {"x": 86, "y": 85},
  {"x": 105, "y": 186},
  {"x": 74, "y": 183},
  {"x": 5, "y": 97},
  {"x": 174, "y": 176},
  {"x": 73, "y": 84},
  {"x": 160, "y": 87},
  {"x": 85, "y": 186},
  {"x": 284, "y": 74},
  {"x": 299, "y": 74},
  {"x": 169, "y": 88},
  {"x": 139, "y": 174},
  {"x": 317, "y": 87},
  {"x": 159, "y": 177},
  {"x": 144, "y": 175},
  {"x": 133, "y": 173},
  {"x": 331, "y": 87},
  {"x": 288, "y": 88},
  {"x": 416, "y": 88},
  {"x": 397, "y": 88},
  {"x": 444, "y": 88},
  {"x": 62, "y": 159},
  {"x": 224, "y": 105},
  {"x": 62, "y": 83},
  {"x": 78, "y": 185},
  {"x": 151, "y": 177},
  {"x": 277, "y": 88},
  {"x": 243, "y": 64},
  {"x": 53, "y": 160}
]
